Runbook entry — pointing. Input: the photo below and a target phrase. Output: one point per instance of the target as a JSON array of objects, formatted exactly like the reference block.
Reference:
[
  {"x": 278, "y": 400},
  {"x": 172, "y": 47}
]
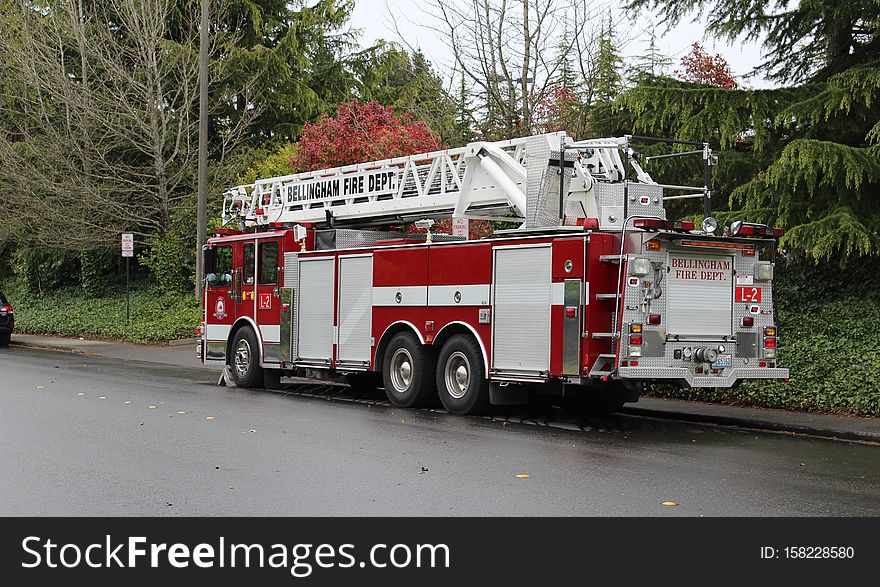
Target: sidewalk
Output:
[
  {"x": 179, "y": 353},
  {"x": 182, "y": 353}
]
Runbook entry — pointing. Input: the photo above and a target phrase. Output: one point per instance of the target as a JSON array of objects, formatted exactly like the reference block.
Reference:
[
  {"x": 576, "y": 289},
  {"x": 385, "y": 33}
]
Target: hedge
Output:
[
  {"x": 155, "y": 316},
  {"x": 829, "y": 337}
]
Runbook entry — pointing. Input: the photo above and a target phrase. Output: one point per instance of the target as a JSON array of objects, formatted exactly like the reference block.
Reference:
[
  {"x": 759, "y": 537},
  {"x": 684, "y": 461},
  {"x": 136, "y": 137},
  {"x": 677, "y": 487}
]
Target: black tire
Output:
[
  {"x": 5, "y": 338},
  {"x": 244, "y": 359},
  {"x": 461, "y": 383},
  {"x": 407, "y": 370}
]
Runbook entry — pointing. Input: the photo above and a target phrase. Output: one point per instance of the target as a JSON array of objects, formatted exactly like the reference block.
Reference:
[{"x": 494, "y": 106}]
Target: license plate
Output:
[
  {"x": 3, "y": 313},
  {"x": 723, "y": 361}
]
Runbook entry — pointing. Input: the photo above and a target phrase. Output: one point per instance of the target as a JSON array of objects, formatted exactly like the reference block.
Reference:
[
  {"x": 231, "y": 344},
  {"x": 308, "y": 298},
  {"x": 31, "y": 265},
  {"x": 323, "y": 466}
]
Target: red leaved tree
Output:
[
  {"x": 361, "y": 132},
  {"x": 701, "y": 68},
  {"x": 369, "y": 131}
]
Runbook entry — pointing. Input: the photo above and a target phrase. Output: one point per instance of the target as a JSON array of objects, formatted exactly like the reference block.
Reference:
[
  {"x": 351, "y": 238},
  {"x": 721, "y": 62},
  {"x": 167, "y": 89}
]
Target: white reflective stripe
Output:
[
  {"x": 217, "y": 331},
  {"x": 471, "y": 295},
  {"x": 270, "y": 333},
  {"x": 410, "y": 295}
]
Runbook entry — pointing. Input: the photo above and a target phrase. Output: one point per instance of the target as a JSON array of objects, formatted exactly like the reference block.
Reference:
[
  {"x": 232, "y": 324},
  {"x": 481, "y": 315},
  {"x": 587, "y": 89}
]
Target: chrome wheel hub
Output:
[
  {"x": 242, "y": 358},
  {"x": 401, "y": 370},
  {"x": 457, "y": 374}
]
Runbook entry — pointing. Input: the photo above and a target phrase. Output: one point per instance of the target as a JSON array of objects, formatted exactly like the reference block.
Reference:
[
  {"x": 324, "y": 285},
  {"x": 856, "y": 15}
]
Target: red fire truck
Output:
[{"x": 596, "y": 292}]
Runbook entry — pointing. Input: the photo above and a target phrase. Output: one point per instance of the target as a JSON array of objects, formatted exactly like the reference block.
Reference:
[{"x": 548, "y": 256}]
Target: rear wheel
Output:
[
  {"x": 5, "y": 338},
  {"x": 461, "y": 383},
  {"x": 244, "y": 360},
  {"x": 407, "y": 369}
]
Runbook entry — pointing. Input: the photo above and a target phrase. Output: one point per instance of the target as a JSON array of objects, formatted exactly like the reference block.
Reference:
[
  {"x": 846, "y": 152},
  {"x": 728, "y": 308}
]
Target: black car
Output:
[{"x": 7, "y": 320}]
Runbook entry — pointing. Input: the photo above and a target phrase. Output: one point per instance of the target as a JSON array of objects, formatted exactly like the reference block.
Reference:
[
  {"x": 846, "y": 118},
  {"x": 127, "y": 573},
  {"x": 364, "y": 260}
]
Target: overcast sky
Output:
[{"x": 373, "y": 17}]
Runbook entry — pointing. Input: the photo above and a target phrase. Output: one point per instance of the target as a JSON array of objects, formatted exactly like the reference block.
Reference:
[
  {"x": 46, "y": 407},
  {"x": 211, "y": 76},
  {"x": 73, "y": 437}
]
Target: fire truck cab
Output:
[{"x": 596, "y": 293}]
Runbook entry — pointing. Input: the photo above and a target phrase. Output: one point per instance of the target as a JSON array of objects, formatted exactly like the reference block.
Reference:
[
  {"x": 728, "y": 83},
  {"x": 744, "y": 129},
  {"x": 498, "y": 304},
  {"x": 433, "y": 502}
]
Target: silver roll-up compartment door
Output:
[
  {"x": 699, "y": 301},
  {"x": 355, "y": 309},
  {"x": 521, "y": 310},
  {"x": 315, "y": 309}
]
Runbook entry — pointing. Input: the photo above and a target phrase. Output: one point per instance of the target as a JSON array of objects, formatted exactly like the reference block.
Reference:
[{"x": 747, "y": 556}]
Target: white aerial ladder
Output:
[{"x": 513, "y": 180}]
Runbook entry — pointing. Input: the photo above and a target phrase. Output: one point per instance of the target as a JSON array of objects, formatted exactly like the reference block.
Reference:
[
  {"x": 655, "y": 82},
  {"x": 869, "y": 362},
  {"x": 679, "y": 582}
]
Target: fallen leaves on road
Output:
[
  {"x": 522, "y": 476},
  {"x": 80, "y": 394},
  {"x": 247, "y": 431},
  {"x": 40, "y": 387},
  {"x": 128, "y": 403},
  {"x": 209, "y": 418},
  {"x": 669, "y": 503},
  {"x": 102, "y": 397},
  {"x": 181, "y": 413},
  {"x": 151, "y": 407}
]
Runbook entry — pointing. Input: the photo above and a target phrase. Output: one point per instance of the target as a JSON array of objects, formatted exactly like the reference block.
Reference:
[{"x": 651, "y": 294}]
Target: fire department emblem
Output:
[{"x": 220, "y": 309}]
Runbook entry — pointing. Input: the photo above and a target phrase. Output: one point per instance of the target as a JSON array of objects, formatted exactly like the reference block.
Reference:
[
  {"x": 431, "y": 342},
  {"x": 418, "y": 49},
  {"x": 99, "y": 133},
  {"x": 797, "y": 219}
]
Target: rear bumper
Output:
[{"x": 727, "y": 378}]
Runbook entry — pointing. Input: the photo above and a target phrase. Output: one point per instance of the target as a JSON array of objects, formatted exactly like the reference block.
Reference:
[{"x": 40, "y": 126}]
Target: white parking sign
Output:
[{"x": 127, "y": 244}]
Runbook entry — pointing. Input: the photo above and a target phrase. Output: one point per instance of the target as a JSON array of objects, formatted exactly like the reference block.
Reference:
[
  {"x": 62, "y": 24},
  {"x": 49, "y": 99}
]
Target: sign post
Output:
[{"x": 128, "y": 253}]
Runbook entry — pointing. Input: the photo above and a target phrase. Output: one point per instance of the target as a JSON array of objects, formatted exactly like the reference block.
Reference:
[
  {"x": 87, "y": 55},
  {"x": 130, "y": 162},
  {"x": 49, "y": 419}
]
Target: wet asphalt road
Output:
[{"x": 78, "y": 437}]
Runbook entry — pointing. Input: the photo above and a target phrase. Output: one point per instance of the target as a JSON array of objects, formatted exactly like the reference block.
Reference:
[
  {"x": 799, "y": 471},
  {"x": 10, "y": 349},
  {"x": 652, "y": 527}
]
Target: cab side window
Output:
[
  {"x": 248, "y": 264},
  {"x": 268, "y": 262},
  {"x": 222, "y": 260}
]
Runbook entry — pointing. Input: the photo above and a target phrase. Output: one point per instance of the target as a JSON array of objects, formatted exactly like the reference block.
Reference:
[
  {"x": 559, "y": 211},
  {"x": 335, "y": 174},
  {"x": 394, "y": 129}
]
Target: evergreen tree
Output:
[
  {"x": 804, "y": 156},
  {"x": 408, "y": 83},
  {"x": 653, "y": 61},
  {"x": 608, "y": 79},
  {"x": 464, "y": 116},
  {"x": 566, "y": 76}
]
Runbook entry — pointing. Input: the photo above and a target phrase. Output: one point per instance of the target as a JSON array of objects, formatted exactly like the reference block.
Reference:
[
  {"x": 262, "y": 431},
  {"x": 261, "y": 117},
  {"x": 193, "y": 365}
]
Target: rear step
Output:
[
  {"x": 603, "y": 363},
  {"x": 603, "y": 335}
]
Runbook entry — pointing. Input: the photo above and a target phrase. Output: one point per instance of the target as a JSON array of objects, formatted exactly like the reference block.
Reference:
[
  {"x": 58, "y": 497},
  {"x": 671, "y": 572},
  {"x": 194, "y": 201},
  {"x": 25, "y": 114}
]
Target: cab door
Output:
[
  {"x": 268, "y": 297},
  {"x": 219, "y": 300},
  {"x": 245, "y": 261}
]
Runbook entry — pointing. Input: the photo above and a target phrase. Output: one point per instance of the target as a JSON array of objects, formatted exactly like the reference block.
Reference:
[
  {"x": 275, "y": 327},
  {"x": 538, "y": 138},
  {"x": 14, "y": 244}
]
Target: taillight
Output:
[
  {"x": 770, "y": 331},
  {"x": 199, "y": 330},
  {"x": 7, "y": 309},
  {"x": 770, "y": 342},
  {"x": 635, "y": 339},
  {"x": 748, "y": 321},
  {"x": 654, "y": 318}
]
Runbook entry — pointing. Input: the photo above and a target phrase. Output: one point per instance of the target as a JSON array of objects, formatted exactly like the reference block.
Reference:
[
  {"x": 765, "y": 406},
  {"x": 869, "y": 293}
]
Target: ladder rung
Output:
[{"x": 607, "y": 296}]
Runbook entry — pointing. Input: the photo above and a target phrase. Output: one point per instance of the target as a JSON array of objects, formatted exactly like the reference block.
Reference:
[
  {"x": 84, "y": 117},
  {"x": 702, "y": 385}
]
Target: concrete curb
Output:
[{"x": 755, "y": 423}]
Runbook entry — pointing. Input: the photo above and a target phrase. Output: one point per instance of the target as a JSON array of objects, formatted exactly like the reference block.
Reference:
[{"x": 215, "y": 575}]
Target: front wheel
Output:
[
  {"x": 461, "y": 383},
  {"x": 244, "y": 361}
]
